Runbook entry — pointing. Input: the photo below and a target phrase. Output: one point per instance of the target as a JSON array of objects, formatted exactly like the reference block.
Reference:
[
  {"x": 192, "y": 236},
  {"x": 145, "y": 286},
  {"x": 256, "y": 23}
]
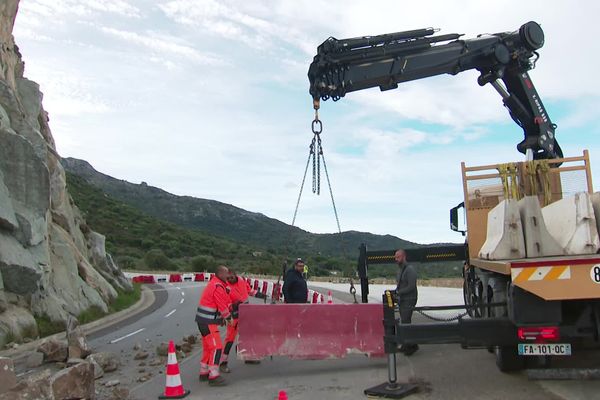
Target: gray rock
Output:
[
  {"x": 16, "y": 322},
  {"x": 74, "y": 361},
  {"x": 8, "y": 219},
  {"x": 162, "y": 349},
  {"x": 108, "y": 361},
  {"x": 3, "y": 302},
  {"x": 35, "y": 359},
  {"x": 120, "y": 393},
  {"x": 141, "y": 355},
  {"x": 137, "y": 346},
  {"x": 27, "y": 179},
  {"x": 35, "y": 386},
  {"x": 112, "y": 383},
  {"x": 8, "y": 379},
  {"x": 76, "y": 382},
  {"x": 156, "y": 362},
  {"x": 78, "y": 345},
  {"x": 20, "y": 272},
  {"x": 54, "y": 350},
  {"x": 98, "y": 371}
]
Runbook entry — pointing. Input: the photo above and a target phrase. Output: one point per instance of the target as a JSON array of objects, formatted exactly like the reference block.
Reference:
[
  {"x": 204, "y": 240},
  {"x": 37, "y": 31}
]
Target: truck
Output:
[{"x": 531, "y": 268}]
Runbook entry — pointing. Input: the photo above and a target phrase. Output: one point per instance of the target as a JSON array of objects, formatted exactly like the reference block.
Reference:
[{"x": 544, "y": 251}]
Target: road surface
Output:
[{"x": 442, "y": 371}]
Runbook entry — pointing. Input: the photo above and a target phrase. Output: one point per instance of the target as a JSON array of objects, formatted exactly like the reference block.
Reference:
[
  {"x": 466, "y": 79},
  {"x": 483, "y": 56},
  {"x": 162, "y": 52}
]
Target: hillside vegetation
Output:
[{"x": 139, "y": 240}]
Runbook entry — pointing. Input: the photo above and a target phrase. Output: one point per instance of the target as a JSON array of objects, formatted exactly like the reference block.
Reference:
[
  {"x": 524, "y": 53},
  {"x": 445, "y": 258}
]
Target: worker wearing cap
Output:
[
  {"x": 407, "y": 294},
  {"x": 239, "y": 291},
  {"x": 213, "y": 311},
  {"x": 294, "y": 284}
]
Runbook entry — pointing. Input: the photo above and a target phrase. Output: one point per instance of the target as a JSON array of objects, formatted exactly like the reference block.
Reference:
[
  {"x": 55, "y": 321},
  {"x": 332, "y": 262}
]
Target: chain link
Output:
[{"x": 353, "y": 291}]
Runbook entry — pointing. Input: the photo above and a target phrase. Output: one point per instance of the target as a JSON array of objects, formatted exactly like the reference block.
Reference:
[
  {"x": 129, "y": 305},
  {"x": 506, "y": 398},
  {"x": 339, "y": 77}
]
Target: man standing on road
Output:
[
  {"x": 213, "y": 311},
  {"x": 239, "y": 291},
  {"x": 294, "y": 284},
  {"x": 407, "y": 294}
]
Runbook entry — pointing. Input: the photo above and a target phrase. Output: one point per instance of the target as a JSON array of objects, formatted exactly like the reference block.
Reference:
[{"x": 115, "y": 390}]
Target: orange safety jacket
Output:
[
  {"x": 214, "y": 303},
  {"x": 238, "y": 293}
]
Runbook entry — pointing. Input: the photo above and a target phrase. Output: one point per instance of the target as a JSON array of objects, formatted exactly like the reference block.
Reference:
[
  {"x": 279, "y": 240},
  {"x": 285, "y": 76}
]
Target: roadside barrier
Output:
[
  {"x": 173, "y": 387},
  {"x": 267, "y": 288},
  {"x": 329, "y": 298},
  {"x": 315, "y": 297}
]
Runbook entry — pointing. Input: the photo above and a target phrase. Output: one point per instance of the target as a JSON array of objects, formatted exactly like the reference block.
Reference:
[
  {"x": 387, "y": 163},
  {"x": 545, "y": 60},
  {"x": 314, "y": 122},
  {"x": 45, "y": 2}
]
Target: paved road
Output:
[{"x": 443, "y": 371}]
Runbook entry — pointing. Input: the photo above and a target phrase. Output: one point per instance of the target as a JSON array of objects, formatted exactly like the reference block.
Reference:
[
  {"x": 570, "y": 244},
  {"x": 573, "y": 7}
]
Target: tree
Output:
[
  {"x": 202, "y": 263},
  {"x": 156, "y": 259}
]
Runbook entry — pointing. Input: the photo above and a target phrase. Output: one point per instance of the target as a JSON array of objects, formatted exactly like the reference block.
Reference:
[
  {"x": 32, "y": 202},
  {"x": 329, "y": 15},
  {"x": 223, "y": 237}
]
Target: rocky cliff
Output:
[{"x": 51, "y": 264}]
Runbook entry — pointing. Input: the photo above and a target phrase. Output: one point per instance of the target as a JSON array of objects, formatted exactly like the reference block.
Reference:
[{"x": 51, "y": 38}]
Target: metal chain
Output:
[
  {"x": 337, "y": 219},
  {"x": 441, "y": 319},
  {"x": 301, "y": 187}
]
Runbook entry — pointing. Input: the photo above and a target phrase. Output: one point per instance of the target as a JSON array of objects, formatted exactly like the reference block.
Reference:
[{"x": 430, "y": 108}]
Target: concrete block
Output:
[
  {"x": 571, "y": 221},
  {"x": 538, "y": 241},
  {"x": 504, "y": 239}
]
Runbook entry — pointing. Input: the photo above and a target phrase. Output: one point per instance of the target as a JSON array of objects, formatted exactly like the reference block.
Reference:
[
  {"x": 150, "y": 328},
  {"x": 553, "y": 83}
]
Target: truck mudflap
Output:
[{"x": 309, "y": 331}]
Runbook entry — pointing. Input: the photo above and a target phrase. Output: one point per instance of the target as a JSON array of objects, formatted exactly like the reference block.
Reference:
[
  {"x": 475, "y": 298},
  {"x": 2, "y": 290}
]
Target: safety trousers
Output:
[
  {"x": 232, "y": 331},
  {"x": 212, "y": 349}
]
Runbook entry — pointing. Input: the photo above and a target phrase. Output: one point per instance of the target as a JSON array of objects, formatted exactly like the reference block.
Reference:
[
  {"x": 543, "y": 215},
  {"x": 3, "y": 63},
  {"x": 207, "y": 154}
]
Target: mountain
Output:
[{"x": 227, "y": 221}]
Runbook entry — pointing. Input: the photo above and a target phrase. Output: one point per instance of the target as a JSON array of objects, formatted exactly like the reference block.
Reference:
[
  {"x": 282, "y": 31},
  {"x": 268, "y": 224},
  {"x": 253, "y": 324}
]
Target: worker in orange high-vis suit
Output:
[
  {"x": 213, "y": 311},
  {"x": 239, "y": 291}
]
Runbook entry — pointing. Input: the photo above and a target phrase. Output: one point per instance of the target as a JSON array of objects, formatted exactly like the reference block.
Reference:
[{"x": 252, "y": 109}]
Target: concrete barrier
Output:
[
  {"x": 310, "y": 331},
  {"x": 571, "y": 221},
  {"x": 504, "y": 239}
]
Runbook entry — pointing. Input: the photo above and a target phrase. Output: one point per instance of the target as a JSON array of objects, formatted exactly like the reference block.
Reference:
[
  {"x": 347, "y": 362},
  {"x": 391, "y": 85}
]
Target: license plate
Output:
[{"x": 545, "y": 349}]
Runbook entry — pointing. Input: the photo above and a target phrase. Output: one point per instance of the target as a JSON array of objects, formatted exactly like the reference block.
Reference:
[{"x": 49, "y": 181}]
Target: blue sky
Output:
[{"x": 210, "y": 99}]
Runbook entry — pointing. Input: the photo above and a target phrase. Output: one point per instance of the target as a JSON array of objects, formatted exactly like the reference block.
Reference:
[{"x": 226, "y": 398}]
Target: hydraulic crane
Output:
[{"x": 384, "y": 61}]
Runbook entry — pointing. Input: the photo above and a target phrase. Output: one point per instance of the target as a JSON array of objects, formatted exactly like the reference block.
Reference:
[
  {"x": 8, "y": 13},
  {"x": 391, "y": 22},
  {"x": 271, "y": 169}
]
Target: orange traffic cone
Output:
[
  {"x": 173, "y": 388},
  {"x": 329, "y": 298},
  {"x": 282, "y": 395}
]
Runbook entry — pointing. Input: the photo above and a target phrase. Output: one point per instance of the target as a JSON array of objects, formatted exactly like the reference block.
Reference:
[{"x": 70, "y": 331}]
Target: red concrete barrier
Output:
[
  {"x": 199, "y": 277},
  {"x": 255, "y": 287},
  {"x": 175, "y": 278},
  {"x": 292, "y": 330},
  {"x": 315, "y": 298}
]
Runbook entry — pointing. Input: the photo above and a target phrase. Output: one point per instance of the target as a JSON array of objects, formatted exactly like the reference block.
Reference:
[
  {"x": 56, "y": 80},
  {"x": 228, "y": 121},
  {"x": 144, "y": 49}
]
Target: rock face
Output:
[{"x": 51, "y": 263}]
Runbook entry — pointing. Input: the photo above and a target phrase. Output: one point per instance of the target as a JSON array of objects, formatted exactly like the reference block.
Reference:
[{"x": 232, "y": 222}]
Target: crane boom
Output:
[{"x": 384, "y": 61}]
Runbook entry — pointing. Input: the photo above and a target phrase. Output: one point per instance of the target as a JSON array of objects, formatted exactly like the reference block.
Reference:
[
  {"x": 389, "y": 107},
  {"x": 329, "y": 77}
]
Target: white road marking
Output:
[
  {"x": 169, "y": 314},
  {"x": 126, "y": 336},
  {"x": 178, "y": 287},
  {"x": 182, "y": 300},
  {"x": 182, "y": 293}
]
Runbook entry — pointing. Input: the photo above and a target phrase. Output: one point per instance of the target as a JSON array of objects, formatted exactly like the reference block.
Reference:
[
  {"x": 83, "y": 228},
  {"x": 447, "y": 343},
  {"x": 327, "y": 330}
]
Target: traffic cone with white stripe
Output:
[
  {"x": 173, "y": 389},
  {"x": 329, "y": 298}
]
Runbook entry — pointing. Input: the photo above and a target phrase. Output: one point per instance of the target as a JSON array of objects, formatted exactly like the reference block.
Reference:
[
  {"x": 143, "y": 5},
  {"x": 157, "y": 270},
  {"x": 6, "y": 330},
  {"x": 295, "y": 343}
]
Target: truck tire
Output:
[{"x": 508, "y": 360}]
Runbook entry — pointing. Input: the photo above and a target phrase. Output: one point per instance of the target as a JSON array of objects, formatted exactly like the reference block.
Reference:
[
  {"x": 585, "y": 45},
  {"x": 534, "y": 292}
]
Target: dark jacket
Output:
[
  {"x": 407, "y": 283},
  {"x": 294, "y": 287}
]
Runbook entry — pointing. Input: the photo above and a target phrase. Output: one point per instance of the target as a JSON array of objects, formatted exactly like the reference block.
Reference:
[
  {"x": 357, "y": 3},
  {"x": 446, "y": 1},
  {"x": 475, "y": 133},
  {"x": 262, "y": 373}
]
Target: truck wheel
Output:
[{"x": 508, "y": 360}]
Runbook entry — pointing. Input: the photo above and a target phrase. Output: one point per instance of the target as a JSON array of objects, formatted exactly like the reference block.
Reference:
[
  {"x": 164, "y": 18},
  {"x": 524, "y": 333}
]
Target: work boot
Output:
[
  {"x": 218, "y": 381},
  {"x": 411, "y": 350},
  {"x": 224, "y": 368},
  {"x": 203, "y": 377}
]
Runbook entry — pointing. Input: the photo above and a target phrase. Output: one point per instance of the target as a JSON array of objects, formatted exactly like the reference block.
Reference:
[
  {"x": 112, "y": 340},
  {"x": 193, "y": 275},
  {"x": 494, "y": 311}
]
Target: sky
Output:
[{"x": 210, "y": 99}]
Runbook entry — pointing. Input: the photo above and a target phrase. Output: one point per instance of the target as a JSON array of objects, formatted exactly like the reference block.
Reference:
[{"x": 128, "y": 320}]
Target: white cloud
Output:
[
  {"x": 80, "y": 8},
  {"x": 159, "y": 44}
]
